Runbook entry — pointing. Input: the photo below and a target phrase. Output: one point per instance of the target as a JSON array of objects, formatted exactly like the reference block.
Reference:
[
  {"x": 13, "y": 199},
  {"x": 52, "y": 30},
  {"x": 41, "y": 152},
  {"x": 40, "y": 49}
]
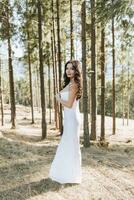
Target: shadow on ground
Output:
[{"x": 32, "y": 189}]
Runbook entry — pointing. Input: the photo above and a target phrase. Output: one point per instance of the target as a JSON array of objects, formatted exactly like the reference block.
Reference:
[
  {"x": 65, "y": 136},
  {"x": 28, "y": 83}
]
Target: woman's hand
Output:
[{"x": 57, "y": 96}]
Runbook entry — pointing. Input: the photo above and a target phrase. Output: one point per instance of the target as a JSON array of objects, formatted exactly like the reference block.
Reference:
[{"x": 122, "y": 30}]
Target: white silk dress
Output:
[{"x": 66, "y": 165}]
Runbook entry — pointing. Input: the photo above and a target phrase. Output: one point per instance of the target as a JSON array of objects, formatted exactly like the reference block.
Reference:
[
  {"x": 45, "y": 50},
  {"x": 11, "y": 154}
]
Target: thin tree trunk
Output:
[
  {"x": 76, "y": 47},
  {"x": 122, "y": 93},
  {"x": 102, "y": 85},
  {"x": 30, "y": 78},
  {"x": 128, "y": 96},
  {"x": 71, "y": 32},
  {"x": 85, "y": 97},
  {"x": 49, "y": 89},
  {"x": 93, "y": 76},
  {"x": 59, "y": 63},
  {"x": 42, "y": 90},
  {"x": 38, "y": 88},
  {"x": 11, "y": 78},
  {"x": 98, "y": 41},
  {"x": 54, "y": 52},
  {"x": 64, "y": 54},
  {"x": 89, "y": 97},
  {"x": 1, "y": 96},
  {"x": 113, "y": 87}
]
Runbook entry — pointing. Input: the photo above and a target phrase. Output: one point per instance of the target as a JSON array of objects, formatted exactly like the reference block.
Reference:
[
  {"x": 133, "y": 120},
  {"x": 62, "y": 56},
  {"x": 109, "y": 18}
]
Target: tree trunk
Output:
[
  {"x": 38, "y": 88},
  {"x": 113, "y": 87},
  {"x": 128, "y": 96},
  {"x": 30, "y": 78},
  {"x": 1, "y": 97},
  {"x": 11, "y": 78},
  {"x": 54, "y": 59},
  {"x": 93, "y": 69},
  {"x": 42, "y": 90},
  {"x": 122, "y": 92},
  {"x": 49, "y": 89},
  {"x": 71, "y": 32},
  {"x": 54, "y": 84},
  {"x": 59, "y": 62},
  {"x": 102, "y": 85},
  {"x": 85, "y": 97}
]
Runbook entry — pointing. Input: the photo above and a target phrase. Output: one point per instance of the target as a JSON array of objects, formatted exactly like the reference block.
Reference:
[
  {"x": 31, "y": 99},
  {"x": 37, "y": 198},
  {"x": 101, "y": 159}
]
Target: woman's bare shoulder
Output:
[{"x": 73, "y": 86}]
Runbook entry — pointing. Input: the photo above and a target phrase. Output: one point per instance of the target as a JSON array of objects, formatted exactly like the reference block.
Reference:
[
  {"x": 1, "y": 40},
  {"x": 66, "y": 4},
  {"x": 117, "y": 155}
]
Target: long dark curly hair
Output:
[{"x": 77, "y": 77}]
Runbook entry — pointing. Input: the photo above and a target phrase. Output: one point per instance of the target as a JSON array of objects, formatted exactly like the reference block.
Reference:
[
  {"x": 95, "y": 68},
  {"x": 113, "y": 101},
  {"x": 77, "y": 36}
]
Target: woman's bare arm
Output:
[{"x": 72, "y": 94}]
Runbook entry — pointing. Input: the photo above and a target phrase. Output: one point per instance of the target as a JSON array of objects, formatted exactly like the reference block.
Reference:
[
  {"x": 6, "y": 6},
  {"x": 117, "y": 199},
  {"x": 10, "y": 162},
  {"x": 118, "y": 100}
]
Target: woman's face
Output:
[{"x": 70, "y": 71}]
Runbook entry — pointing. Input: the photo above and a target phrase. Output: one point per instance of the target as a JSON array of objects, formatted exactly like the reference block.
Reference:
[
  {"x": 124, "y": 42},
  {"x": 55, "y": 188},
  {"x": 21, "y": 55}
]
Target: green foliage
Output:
[
  {"x": 128, "y": 93},
  {"x": 107, "y": 9},
  {"x": 22, "y": 92},
  {"x": 7, "y": 27},
  {"x": 26, "y": 12}
]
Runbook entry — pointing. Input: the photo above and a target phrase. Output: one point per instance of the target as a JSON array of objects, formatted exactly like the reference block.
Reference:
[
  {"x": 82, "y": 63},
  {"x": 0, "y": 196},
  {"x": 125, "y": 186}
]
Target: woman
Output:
[{"x": 66, "y": 166}]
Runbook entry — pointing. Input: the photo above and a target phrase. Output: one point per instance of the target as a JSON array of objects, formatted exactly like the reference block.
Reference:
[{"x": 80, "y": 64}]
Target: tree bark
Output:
[
  {"x": 102, "y": 85},
  {"x": 113, "y": 81},
  {"x": 85, "y": 97},
  {"x": 59, "y": 62},
  {"x": 1, "y": 96},
  {"x": 128, "y": 95},
  {"x": 71, "y": 32},
  {"x": 11, "y": 78},
  {"x": 30, "y": 77},
  {"x": 122, "y": 83},
  {"x": 38, "y": 88},
  {"x": 42, "y": 90},
  {"x": 49, "y": 89},
  {"x": 93, "y": 75},
  {"x": 54, "y": 59}
]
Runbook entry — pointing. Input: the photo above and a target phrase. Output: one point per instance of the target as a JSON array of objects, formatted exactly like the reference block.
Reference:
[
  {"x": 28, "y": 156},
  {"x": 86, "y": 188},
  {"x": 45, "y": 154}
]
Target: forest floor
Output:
[{"x": 25, "y": 160}]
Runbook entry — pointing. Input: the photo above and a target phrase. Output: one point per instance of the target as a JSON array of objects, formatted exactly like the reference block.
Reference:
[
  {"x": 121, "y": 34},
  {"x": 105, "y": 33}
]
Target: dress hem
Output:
[{"x": 64, "y": 182}]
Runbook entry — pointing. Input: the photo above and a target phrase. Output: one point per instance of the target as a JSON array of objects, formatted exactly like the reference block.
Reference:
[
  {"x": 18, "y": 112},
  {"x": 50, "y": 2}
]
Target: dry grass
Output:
[
  {"x": 24, "y": 166},
  {"x": 107, "y": 169}
]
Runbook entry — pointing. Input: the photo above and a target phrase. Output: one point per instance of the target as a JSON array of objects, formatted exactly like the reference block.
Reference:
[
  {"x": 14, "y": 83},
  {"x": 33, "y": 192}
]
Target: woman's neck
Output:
[{"x": 71, "y": 80}]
